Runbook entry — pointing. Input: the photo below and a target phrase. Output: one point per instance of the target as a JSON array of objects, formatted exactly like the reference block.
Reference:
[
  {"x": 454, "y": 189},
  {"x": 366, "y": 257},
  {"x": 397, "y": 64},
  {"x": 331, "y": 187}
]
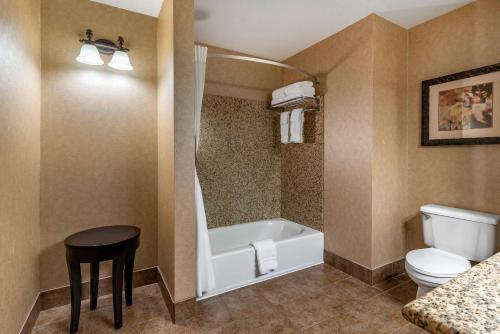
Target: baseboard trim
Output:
[
  {"x": 61, "y": 296},
  {"x": 369, "y": 276},
  {"x": 179, "y": 311},
  {"x": 30, "y": 321}
]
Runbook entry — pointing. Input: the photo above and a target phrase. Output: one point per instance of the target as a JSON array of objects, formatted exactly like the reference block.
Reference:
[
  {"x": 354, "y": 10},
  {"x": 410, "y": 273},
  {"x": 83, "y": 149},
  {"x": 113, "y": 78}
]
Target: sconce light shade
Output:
[
  {"x": 120, "y": 61},
  {"x": 89, "y": 55}
]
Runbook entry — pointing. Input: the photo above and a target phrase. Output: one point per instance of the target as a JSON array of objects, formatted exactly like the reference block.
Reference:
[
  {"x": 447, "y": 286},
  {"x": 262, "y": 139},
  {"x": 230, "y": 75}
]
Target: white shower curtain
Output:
[{"x": 206, "y": 277}]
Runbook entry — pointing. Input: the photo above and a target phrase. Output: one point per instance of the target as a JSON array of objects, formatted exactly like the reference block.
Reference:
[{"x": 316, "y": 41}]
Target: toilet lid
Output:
[{"x": 436, "y": 262}]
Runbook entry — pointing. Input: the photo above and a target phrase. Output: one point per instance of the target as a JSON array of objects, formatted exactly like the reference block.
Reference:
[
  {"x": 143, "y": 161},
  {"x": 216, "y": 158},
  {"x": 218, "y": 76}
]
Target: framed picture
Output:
[{"x": 462, "y": 108}]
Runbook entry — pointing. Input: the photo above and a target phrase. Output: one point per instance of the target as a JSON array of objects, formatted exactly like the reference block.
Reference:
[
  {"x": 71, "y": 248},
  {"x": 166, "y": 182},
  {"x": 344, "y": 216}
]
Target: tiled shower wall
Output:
[
  {"x": 302, "y": 175},
  {"x": 238, "y": 160},
  {"x": 247, "y": 175}
]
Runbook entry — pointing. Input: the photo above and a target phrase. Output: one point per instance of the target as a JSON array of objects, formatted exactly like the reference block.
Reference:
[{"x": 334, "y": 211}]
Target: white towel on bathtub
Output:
[{"x": 267, "y": 256}]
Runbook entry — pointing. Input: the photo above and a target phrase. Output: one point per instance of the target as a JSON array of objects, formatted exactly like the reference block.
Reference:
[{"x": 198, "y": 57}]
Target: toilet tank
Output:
[{"x": 470, "y": 234}]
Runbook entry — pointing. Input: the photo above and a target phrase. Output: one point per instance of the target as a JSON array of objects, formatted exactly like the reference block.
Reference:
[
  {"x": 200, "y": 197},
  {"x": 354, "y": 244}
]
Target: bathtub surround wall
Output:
[
  {"x": 364, "y": 141},
  {"x": 20, "y": 91},
  {"x": 245, "y": 172},
  {"x": 98, "y": 134},
  {"x": 176, "y": 156},
  {"x": 238, "y": 160},
  {"x": 302, "y": 182},
  {"x": 462, "y": 176}
]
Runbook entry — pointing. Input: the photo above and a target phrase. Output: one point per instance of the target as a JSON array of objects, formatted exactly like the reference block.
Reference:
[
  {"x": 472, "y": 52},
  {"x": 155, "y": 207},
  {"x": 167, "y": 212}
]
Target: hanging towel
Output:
[
  {"x": 297, "y": 126},
  {"x": 267, "y": 256},
  {"x": 284, "y": 126}
]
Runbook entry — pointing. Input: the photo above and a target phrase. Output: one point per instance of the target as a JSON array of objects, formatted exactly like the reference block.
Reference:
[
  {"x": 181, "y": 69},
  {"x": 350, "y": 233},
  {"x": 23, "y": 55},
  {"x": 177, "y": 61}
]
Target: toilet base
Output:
[{"x": 422, "y": 290}]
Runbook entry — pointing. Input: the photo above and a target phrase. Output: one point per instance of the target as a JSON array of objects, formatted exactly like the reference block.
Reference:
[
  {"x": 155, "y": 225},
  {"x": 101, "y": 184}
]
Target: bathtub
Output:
[{"x": 234, "y": 259}]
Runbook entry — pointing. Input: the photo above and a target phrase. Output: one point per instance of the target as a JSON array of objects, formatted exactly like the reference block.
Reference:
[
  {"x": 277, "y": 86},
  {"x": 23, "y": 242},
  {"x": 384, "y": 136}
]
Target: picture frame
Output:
[{"x": 462, "y": 108}]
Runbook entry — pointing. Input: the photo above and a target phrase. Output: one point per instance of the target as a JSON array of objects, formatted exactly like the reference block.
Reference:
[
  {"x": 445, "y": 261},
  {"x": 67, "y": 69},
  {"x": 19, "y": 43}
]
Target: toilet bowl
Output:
[
  {"x": 455, "y": 237},
  {"x": 431, "y": 267}
]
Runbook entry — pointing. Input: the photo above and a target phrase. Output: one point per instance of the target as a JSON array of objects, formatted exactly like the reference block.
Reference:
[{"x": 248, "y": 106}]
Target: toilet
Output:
[{"x": 455, "y": 237}]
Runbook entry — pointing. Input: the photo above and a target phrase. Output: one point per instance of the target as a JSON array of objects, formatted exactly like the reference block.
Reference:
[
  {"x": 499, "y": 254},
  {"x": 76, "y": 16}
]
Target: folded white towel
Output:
[
  {"x": 278, "y": 100},
  {"x": 297, "y": 126},
  {"x": 267, "y": 255},
  {"x": 279, "y": 93},
  {"x": 300, "y": 84},
  {"x": 301, "y": 88},
  {"x": 299, "y": 91},
  {"x": 284, "y": 126}
]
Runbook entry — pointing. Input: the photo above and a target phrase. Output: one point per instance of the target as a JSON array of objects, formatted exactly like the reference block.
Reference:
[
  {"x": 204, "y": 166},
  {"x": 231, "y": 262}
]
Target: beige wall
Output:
[
  {"x": 236, "y": 78},
  {"x": 98, "y": 133},
  {"x": 176, "y": 220},
  {"x": 344, "y": 62},
  {"x": 462, "y": 176},
  {"x": 389, "y": 157},
  {"x": 364, "y": 138},
  {"x": 19, "y": 160}
]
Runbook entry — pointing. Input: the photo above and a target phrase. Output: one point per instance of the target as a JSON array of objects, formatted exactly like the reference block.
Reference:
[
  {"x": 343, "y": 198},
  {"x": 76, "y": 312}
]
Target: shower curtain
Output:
[{"x": 205, "y": 270}]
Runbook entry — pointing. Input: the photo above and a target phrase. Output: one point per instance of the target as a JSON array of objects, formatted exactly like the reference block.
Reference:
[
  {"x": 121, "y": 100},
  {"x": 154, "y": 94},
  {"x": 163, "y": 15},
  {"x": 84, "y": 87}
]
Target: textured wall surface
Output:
[
  {"x": 341, "y": 60},
  {"x": 364, "y": 140},
  {"x": 98, "y": 133},
  {"x": 302, "y": 175},
  {"x": 238, "y": 160},
  {"x": 176, "y": 152},
  {"x": 462, "y": 176},
  {"x": 390, "y": 162},
  {"x": 19, "y": 160}
]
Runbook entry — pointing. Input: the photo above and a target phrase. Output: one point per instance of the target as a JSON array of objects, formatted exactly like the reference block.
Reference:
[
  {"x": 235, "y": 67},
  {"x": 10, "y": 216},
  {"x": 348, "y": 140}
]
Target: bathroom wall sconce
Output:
[{"x": 91, "y": 51}]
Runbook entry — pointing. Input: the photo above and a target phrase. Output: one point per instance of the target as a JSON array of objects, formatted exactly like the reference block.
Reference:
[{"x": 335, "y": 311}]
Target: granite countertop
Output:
[{"x": 469, "y": 303}]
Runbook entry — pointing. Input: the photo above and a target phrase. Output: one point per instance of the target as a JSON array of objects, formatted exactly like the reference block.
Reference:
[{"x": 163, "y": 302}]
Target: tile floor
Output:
[{"x": 320, "y": 299}]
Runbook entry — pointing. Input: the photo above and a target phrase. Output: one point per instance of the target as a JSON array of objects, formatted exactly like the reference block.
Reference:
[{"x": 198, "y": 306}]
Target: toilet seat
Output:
[{"x": 436, "y": 263}]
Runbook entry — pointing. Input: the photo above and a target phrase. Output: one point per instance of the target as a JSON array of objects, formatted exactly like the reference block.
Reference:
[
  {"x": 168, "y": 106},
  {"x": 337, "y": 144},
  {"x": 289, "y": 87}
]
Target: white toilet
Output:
[{"x": 455, "y": 237}]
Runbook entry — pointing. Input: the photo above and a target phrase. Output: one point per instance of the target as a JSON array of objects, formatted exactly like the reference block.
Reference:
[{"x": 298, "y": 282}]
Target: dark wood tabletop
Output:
[{"x": 102, "y": 236}]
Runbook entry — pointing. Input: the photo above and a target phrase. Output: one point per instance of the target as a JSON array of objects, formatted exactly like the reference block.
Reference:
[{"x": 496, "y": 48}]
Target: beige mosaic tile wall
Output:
[
  {"x": 239, "y": 161},
  {"x": 302, "y": 175}
]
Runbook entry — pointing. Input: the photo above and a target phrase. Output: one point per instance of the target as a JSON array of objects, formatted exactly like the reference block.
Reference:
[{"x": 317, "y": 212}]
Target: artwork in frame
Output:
[{"x": 462, "y": 108}]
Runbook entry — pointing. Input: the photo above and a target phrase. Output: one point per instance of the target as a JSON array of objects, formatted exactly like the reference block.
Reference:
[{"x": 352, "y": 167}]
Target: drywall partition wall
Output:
[
  {"x": 176, "y": 152},
  {"x": 389, "y": 159},
  {"x": 238, "y": 160},
  {"x": 462, "y": 176},
  {"x": 242, "y": 79},
  {"x": 98, "y": 135},
  {"x": 344, "y": 62},
  {"x": 19, "y": 161},
  {"x": 364, "y": 139}
]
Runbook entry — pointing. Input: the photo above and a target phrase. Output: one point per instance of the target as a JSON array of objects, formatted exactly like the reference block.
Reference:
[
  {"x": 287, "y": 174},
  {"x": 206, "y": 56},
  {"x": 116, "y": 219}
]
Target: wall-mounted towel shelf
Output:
[{"x": 305, "y": 102}]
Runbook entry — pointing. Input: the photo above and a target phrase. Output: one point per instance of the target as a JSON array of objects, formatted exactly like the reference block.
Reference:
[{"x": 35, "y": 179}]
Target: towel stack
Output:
[
  {"x": 292, "y": 126},
  {"x": 298, "y": 89}
]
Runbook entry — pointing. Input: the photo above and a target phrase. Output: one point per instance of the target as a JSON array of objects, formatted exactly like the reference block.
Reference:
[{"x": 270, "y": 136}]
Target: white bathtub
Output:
[{"x": 234, "y": 261}]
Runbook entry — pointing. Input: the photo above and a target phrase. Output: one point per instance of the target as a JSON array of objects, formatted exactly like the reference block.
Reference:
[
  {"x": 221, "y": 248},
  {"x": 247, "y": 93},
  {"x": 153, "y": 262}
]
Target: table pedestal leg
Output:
[
  {"x": 94, "y": 284},
  {"x": 118, "y": 265},
  {"x": 129, "y": 273},
  {"x": 75, "y": 281}
]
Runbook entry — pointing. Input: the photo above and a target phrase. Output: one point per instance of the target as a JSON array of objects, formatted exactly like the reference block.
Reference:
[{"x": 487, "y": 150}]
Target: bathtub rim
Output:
[{"x": 308, "y": 232}]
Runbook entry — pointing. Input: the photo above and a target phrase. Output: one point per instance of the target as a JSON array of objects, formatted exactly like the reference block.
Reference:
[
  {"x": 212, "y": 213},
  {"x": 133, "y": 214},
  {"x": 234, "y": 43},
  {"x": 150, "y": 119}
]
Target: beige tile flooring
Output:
[{"x": 320, "y": 299}]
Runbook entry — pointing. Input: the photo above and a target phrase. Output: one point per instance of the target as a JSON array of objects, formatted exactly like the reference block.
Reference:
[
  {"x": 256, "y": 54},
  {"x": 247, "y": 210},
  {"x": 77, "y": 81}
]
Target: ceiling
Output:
[
  {"x": 146, "y": 7},
  {"x": 278, "y": 29}
]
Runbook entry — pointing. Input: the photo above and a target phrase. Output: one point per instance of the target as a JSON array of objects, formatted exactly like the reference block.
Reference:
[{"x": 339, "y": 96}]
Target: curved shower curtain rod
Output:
[{"x": 263, "y": 61}]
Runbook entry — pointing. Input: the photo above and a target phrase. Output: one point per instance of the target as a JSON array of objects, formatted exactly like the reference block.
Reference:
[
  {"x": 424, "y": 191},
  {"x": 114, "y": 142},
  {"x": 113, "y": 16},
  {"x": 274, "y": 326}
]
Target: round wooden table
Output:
[{"x": 117, "y": 243}]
